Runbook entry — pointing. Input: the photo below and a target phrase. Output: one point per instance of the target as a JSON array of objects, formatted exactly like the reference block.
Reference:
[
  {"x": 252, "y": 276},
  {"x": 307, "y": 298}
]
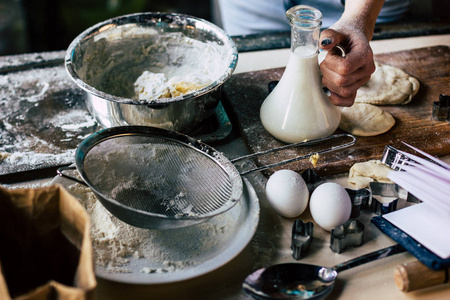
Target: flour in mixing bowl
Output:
[
  {"x": 151, "y": 86},
  {"x": 180, "y": 65}
]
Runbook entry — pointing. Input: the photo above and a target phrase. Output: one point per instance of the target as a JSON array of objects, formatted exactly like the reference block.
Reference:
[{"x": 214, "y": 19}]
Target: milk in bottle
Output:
[{"x": 298, "y": 108}]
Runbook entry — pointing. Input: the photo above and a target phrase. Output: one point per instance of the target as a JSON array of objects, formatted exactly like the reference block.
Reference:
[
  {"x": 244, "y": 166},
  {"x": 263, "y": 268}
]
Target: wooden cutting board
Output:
[{"x": 245, "y": 92}]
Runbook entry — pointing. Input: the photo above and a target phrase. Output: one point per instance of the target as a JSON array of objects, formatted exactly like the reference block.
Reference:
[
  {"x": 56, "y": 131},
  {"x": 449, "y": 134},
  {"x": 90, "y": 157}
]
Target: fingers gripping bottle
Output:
[{"x": 298, "y": 109}]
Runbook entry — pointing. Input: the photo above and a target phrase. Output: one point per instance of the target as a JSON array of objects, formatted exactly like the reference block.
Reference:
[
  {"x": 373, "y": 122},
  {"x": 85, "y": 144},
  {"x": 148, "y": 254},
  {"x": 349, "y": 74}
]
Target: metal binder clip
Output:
[{"x": 393, "y": 158}]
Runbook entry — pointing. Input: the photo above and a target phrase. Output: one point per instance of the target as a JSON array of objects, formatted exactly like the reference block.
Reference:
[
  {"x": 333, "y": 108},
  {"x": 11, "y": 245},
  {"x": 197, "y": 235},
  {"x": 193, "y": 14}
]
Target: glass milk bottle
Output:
[{"x": 298, "y": 109}]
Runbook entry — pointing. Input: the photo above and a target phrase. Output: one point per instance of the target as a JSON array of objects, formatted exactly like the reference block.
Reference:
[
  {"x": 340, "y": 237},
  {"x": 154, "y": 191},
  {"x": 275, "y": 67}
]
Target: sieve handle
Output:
[
  {"x": 302, "y": 144},
  {"x": 61, "y": 170}
]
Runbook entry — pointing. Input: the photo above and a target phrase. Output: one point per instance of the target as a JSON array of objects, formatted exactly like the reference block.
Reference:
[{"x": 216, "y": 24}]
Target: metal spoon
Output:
[{"x": 303, "y": 281}]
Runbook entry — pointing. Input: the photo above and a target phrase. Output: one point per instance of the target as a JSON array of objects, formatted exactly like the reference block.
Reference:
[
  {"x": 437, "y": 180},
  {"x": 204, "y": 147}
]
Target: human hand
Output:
[{"x": 343, "y": 76}]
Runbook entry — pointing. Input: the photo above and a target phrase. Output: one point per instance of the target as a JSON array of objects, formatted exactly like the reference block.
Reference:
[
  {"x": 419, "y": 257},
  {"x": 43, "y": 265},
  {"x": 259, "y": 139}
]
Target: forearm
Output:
[{"x": 361, "y": 15}]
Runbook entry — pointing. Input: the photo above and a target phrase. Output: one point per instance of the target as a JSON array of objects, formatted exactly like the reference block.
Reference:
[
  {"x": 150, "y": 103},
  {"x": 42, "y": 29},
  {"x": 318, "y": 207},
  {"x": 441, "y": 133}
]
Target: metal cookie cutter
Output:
[
  {"x": 349, "y": 234},
  {"x": 441, "y": 108},
  {"x": 302, "y": 236},
  {"x": 312, "y": 179},
  {"x": 361, "y": 199},
  {"x": 384, "y": 197}
]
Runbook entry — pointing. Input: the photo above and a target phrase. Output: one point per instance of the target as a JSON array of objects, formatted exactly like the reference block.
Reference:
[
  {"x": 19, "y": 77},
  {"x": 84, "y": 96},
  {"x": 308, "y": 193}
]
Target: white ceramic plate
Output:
[{"x": 194, "y": 250}]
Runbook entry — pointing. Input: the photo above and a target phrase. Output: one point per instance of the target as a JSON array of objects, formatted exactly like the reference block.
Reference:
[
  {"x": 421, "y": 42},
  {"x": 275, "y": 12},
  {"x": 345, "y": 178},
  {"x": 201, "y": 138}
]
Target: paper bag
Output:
[{"x": 46, "y": 250}]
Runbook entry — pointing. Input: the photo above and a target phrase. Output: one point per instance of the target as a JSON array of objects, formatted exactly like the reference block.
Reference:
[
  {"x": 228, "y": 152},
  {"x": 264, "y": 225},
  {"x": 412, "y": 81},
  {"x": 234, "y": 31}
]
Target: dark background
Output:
[{"x": 46, "y": 25}]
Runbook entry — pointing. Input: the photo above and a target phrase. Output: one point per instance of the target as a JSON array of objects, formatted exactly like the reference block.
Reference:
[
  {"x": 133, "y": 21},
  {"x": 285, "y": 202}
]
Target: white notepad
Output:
[{"x": 426, "y": 225}]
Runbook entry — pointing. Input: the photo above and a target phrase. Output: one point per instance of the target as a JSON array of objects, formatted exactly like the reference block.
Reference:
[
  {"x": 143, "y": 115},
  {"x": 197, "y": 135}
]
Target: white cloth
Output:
[{"x": 242, "y": 17}]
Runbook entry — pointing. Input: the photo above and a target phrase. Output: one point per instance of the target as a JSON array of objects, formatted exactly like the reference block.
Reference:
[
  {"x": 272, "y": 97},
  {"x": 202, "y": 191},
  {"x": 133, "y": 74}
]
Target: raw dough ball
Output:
[
  {"x": 287, "y": 193},
  {"x": 365, "y": 120},
  {"x": 361, "y": 174},
  {"x": 330, "y": 205},
  {"x": 388, "y": 86}
]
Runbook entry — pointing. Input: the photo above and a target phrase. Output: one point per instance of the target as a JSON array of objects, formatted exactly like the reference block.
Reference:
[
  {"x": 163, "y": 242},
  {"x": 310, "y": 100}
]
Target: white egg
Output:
[
  {"x": 330, "y": 205},
  {"x": 287, "y": 193}
]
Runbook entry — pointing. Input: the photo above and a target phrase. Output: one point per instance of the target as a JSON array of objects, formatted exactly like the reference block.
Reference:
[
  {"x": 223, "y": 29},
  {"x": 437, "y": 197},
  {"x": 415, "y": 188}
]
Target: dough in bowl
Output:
[
  {"x": 388, "y": 85},
  {"x": 364, "y": 119}
]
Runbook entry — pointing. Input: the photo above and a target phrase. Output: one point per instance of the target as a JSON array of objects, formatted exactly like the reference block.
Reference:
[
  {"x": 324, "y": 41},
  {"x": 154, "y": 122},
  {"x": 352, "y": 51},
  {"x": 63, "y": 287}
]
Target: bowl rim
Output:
[{"x": 122, "y": 20}]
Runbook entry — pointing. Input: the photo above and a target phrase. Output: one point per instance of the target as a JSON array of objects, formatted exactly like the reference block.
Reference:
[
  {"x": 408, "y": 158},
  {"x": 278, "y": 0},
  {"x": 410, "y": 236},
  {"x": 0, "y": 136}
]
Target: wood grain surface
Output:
[{"x": 245, "y": 92}]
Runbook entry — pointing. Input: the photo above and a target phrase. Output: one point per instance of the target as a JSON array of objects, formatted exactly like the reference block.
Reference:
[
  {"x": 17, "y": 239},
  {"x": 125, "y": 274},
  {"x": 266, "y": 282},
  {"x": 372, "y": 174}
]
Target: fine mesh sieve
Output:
[
  {"x": 156, "y": 178},
  {"x": 150, "y": 177}
]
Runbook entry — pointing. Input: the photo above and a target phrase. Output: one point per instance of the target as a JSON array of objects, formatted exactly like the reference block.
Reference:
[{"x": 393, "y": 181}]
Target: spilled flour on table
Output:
[{"x": 43, "y": 118}]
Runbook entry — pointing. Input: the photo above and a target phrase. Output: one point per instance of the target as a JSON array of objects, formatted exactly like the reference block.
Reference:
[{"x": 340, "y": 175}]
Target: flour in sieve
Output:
[{"x": 150, "y": 177}]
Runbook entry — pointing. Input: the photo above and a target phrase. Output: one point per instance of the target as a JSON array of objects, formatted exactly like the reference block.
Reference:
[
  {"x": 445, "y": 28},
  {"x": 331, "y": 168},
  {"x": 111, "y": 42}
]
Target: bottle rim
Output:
[{"x": 304, "y": 16}]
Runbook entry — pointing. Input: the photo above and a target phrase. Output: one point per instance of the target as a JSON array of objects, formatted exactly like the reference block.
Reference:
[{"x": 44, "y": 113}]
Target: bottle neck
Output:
[
  {"x": 305, "y": 43},
  {"x": 305, "y": 24}
]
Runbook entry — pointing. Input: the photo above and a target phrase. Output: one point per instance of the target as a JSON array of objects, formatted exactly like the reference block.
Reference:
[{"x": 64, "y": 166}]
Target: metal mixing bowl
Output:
[{"x": 106, "y": 59}]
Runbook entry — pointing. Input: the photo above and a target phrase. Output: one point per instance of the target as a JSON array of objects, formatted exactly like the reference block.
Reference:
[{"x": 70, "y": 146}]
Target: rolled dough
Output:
[
  {"x": 364, "y": 119},
  {"x": 388, "y": 85}
]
